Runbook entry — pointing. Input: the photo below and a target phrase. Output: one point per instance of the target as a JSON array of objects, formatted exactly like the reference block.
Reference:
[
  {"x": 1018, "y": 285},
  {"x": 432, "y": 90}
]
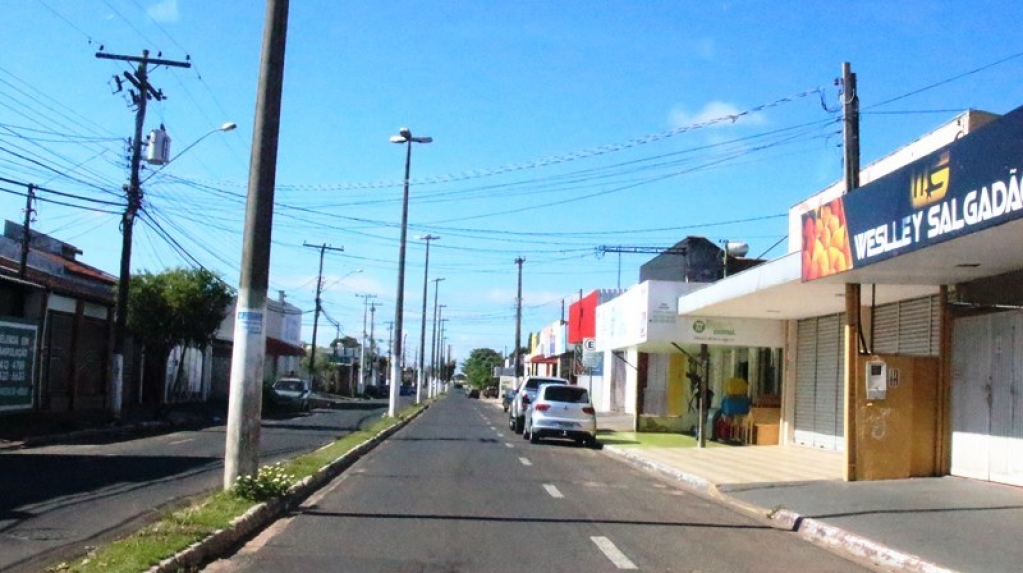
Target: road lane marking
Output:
[
  {"x": 553, "y": 491},
  {"x": 509, "y": 445},
  {"x": 611, "y": 552},
  {"x": 525, "y": 462},
  {"x": 176, "y": 442}
]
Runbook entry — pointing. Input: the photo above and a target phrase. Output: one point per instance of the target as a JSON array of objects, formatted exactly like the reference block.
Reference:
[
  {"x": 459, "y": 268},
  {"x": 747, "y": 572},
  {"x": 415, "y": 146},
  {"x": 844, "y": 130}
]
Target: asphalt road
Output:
[
  {"x": 57, "y": 500},
  {"x": 455, "y": 491}
]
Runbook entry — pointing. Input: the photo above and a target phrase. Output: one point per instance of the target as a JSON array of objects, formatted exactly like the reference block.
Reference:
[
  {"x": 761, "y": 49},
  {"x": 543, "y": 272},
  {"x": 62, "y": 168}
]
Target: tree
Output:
[
  {"x": 479, "y": 367},
  {"x": 178, "y": 307}
]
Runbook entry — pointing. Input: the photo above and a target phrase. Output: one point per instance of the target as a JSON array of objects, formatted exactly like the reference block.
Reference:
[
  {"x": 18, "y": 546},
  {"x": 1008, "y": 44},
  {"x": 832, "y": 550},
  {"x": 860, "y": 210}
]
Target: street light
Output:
[
  {"x": 404, "y": 137},
  {"x": 422, "y": 330}
]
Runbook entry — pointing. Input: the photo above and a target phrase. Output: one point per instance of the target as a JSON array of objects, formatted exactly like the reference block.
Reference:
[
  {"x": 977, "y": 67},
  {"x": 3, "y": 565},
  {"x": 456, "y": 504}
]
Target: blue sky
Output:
[{"x": 558, "y": 127}]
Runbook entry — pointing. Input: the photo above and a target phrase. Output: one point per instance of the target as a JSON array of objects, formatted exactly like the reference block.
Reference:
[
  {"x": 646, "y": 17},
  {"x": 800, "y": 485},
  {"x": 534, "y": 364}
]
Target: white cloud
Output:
[
  {"x": 165, "y": 11},
  {"x": 722, "y": 114}
]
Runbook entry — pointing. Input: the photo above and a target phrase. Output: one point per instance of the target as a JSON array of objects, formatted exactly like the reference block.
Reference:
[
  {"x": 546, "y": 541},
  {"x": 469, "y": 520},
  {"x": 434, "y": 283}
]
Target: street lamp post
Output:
[
  {"x": 404, "y": 137},
  {"x": 422, "y": 330}
]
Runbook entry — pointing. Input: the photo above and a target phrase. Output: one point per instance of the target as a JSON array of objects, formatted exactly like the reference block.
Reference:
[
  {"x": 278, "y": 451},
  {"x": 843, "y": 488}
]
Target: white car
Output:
[
  {"x": 561, "y": 411},
  {"x": 523, "y": 396}
]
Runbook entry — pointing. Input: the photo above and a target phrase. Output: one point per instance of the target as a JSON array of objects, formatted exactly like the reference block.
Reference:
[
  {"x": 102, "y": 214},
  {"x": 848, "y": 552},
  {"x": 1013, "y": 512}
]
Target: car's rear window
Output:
[
  {"x": 534, "y": 383},
  {"x": 566, "y": 394},
  {"x": 290, "y": 385}
]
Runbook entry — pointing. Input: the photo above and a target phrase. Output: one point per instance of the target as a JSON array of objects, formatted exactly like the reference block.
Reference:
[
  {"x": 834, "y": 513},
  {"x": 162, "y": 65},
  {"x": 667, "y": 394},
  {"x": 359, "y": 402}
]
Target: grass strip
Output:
[{"x": 176, "y": 530}]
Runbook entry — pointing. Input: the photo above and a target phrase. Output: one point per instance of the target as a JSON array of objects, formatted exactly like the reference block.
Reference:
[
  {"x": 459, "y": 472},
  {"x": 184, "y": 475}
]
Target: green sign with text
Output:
[{"x": 17, "y": 359}]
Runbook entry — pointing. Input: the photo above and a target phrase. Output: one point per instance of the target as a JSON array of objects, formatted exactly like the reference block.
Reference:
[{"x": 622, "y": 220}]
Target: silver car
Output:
[
  {"x": 561, "y": 411},
  {"x": 524, "y": 394}
]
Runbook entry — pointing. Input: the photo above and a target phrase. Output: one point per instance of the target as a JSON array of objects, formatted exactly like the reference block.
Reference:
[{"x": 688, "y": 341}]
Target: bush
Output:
[{"x": 270, "y": 482}]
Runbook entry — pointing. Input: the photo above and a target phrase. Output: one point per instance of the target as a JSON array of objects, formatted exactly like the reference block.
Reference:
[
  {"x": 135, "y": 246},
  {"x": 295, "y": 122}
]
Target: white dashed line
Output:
[
  {"x": 525, "y": 462},
  {"x": 611, "y": 552},
  {"x": 176, "y": 442},
  {"x": 553, "y": 491},
  {"x": 509, "y": 445}
]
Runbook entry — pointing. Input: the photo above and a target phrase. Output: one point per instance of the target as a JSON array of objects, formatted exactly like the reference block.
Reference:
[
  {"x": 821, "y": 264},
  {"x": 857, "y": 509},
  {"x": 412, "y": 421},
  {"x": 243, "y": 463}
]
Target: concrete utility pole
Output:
[
  {"x": 319, "y": 305},
  {"x": 373, "y": 342},
  {"x": 438, "y": 342},
  {"x": 433, "y": 339},
  {"x": 241, "y": 456},
  {"x": 362, "y": 349},
  {"x": 140, "y": 79},
  {"x": 422, "y": 329},
  {"x": 518, "y": 324}
]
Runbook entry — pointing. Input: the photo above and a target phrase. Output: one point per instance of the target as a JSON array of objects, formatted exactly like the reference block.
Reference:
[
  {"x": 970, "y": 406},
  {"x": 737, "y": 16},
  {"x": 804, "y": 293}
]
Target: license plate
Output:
[{"x": 567, "y": 424}]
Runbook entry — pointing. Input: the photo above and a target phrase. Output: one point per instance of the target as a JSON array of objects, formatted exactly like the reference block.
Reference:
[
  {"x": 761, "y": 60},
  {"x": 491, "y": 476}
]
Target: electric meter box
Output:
[
  {"x": 877, "y": 380},
  {"x": 158, "y": 152}
]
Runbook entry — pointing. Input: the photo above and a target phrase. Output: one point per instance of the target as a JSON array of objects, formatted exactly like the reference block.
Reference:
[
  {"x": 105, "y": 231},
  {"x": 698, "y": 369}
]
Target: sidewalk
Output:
[{"x": 923, "y": 524}]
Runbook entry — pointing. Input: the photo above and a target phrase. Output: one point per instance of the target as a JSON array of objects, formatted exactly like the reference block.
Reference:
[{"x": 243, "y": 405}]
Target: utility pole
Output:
[
  {"x": 438, "y": 342},
  {"x": 373, "y": 342},
  {"x": 316, "y": 317},
  {"x": 145, "y": 91},
  {"x": 433, "y": 339},
  {"x": 26, "y": 237},
  {"x": 390, "y": 338},
  {"x": 518, "y": 324},
  {"x": 241, "y": 456},
  {"x": 851, "y": 142},
  {"x": 362, "y": 350},
  {"x": 422, "y": 329}
]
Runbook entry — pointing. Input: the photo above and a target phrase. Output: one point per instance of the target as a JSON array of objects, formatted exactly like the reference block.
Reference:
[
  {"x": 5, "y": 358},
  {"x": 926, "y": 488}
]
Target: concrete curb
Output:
[
  {"x": 810, "y": 529},
  {"x": 263, "y": 514}
]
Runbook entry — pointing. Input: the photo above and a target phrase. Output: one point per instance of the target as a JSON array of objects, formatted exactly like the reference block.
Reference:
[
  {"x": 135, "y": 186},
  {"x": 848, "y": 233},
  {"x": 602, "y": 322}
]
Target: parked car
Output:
[
  {"x": 474, "y": 393},
  {"x": 524, "y": 394},
  {"x": 407, "y": 390},
  {"x": 490, "y": 392},
  {"x": 506, "y": 400},
  {"x": 290, "y": 393},
  {"x": 561, "y": 411},
  {"x": 378, "y": 391}
]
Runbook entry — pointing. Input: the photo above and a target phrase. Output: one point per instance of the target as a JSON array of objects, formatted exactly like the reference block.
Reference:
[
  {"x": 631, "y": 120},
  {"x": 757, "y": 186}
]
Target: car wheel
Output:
[
  {"x": 534, "y": 438},
  {"x": 520, "y": 423},
  {"x": 592, "y": 443}
]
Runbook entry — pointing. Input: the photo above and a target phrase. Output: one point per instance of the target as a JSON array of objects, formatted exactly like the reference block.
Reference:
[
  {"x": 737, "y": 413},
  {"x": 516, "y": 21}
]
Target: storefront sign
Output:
[
  {"x": 17, "y": 359},
  {"x": 972, "y": 184},
  {"x": 732, "y": 331}
]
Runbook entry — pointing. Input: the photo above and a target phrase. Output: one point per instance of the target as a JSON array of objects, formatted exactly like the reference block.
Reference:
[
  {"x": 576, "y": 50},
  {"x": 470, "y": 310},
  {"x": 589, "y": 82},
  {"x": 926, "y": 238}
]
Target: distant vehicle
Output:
[
  {"x": 561, "y": 411},
  {"x": 506, "y": 400},
  {"x": 407, "y": 390},
  {"x": 474, "y": 393},
  {"x": 291, "y": 393},
  {"x": 524, "y": 394},
  {"x": 378, "y": 391},
  {"x": 490, "y": 392}
]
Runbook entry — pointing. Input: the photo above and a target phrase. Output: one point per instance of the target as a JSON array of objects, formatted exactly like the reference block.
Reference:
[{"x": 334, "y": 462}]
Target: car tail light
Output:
[
  {"x": 543, "y": 407},
  {"x": 587, "y": 410}
]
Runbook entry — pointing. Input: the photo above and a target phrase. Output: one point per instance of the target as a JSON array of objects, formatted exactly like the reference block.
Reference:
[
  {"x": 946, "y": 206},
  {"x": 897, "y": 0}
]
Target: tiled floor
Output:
[{"x": 751, "y": 464}]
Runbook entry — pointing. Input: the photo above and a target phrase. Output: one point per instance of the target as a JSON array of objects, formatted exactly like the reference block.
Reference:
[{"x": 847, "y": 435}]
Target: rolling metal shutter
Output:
[
  {"x": 910, "y": 327},
  {"x": 820, "y": 376}
]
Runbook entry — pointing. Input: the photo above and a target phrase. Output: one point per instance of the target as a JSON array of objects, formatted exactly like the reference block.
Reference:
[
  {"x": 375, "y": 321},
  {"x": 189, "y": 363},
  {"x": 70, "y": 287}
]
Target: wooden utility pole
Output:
[
  {"x": 245, "y": 399},
  {"x": 316, "y": 316},
  {"x": 26, "y": 236},
  {"x": 851, "y": 112},
  {"x": 141, "y": 95}
]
